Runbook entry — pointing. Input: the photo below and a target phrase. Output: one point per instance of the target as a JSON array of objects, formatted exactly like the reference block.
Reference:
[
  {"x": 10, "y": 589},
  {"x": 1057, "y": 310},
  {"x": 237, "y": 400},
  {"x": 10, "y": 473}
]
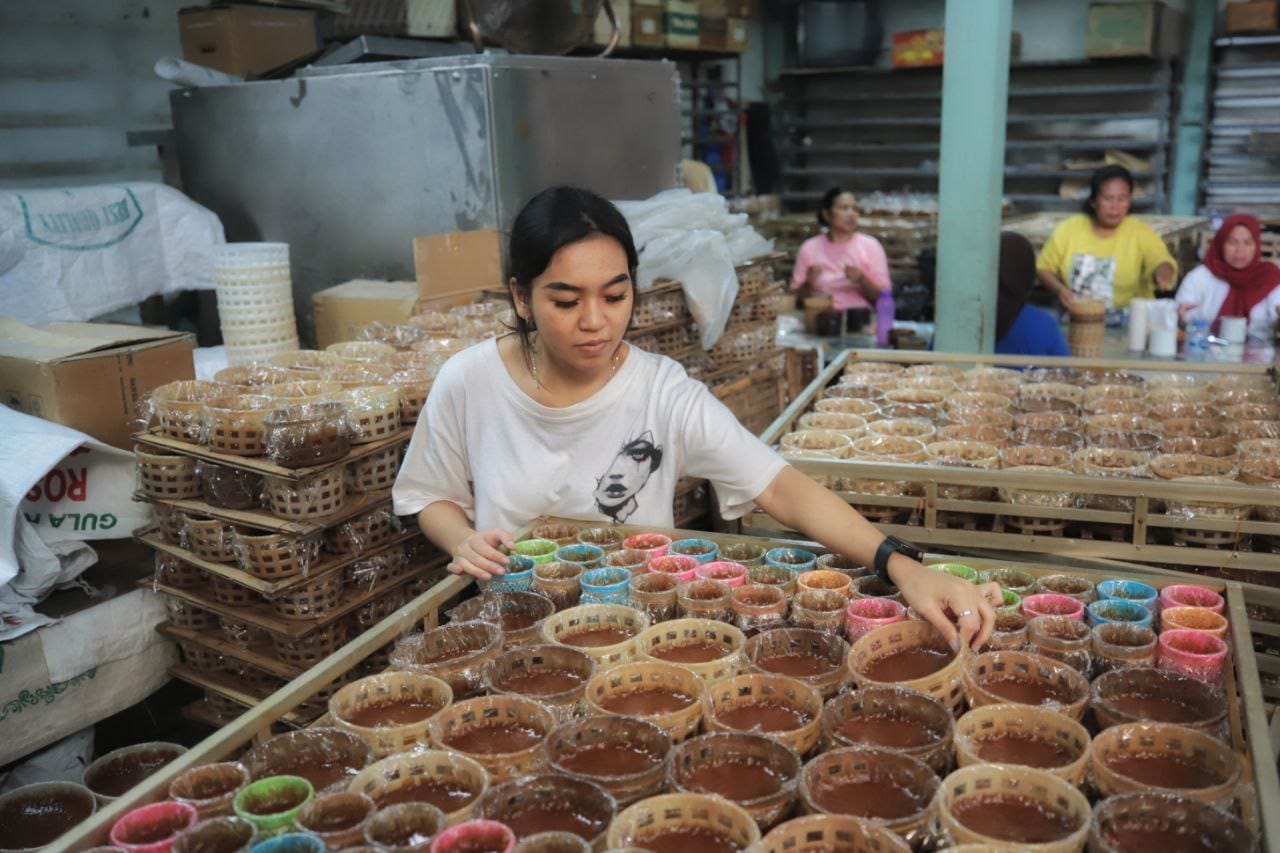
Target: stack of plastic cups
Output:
[{"x": 255, "y": 300}]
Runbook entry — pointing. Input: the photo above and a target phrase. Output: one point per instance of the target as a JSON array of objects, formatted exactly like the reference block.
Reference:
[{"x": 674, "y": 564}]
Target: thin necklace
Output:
[{"x": 537, "y": 382}]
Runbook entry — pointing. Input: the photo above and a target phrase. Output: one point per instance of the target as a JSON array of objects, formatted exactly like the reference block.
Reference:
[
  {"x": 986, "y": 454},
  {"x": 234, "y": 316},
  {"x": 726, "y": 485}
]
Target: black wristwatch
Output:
[{"x": 890, "y": 546}]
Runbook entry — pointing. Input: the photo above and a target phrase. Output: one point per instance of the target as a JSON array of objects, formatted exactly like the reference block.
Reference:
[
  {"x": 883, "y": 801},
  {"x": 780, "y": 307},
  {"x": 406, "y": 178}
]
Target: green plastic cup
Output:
[
  {"x": 272, "y": 803},
  {"x": 538, "y": 550},
  {"x": 960, "y": 570},
  {"x": 1012, "y": 601}
]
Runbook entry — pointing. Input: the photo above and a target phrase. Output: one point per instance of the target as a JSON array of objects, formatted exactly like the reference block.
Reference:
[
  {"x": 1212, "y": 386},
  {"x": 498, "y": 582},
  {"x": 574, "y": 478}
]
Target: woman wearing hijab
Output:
[
  {"x": 1022, "y": 329},
  {"x": 1234, "y": 281}
]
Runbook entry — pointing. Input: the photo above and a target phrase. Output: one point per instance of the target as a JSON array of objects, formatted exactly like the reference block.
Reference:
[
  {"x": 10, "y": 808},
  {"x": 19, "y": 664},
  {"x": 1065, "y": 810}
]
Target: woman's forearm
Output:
[
  {"x": 1050, "y": 281},
  {"x": 446, "y": 525}
]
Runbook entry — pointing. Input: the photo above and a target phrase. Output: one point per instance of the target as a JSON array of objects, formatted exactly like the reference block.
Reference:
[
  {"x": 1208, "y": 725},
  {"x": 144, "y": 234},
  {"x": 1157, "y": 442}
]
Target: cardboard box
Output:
[
  {"x": 343, "y": 310},
  {"x": 724, "y": 8},
  {"x": 737, "y": 35},
  {"x": 713, "y": 33},
  {"x": 246, "y": 40},
  {"x": 603, "y": 29},
  {"x": 1259, "y": 16},
  {"x": 418, "y": 18},
  {"x": 1132, "y": 29},
  {"x": 647, "y": 26},
  {"x": 457, "y": 263},
  {"x": 681, "y": 24},
  {"x": 917, "y": 48},
  {"x": 89, "y": 376}
]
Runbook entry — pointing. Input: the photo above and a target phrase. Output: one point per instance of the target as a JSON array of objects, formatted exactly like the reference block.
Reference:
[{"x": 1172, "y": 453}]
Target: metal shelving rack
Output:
[
  {"x": 875, "y": 128},
  {"x": 712, "y": 132},
  {"x": 1243, "y": 155}
]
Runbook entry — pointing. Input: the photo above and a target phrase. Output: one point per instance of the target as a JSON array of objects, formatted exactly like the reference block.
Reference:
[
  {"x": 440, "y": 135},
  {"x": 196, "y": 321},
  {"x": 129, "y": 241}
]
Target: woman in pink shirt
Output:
[{"x": 842, "y": 262}]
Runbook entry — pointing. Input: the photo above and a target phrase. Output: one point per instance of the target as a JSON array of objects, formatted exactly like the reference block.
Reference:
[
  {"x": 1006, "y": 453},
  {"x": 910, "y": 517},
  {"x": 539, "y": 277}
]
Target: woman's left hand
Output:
[{"x": 964, "y": 613}]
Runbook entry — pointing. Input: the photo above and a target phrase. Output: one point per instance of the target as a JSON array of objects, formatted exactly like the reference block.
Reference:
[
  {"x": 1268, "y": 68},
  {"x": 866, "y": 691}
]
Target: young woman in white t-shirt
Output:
[
  {"x": 1234, "y": 281},
  {"x": 565, "y": 418}
]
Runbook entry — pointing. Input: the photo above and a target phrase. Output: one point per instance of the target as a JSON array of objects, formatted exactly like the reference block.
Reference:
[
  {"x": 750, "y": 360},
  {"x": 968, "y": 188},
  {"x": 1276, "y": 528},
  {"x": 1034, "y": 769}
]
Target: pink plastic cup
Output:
[
  {"x": 1194, "y": 653},
  {"x": 725, "y": 571},
  {"x": 153, "y": 828},
  {"x": 683, "y": 568},
  {"x": 1190, "y": 595},
  {"x": 1052, "y": 604},
  {"x": 653, "y": 544},
  {"x": 472, "y": 836},
  {"x": 867, "y": 614}
]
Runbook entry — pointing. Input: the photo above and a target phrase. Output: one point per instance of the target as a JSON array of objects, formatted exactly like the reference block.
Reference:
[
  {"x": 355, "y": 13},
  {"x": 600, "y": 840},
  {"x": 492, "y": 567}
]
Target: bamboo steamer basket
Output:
[
  {"x": 627, "y": 678},
  {"x": 758, "y": 750},
  {"x": 820, "y": 645},
  {"x": 210, "y": 539},
  {"x": 988, "y": 668},
  {"x": 683, "y": 812},
  {"x": 837, "y": 833},
  {"x": 1087, "y": 327},
  {"x": 315, "y": 598},
  {"x": 531, "y": 660},
  {"x": 1024, "y": 723},
  {"x": 303, "y": 391},
  {"x": 300, "y": 500},
  {"x": 887, "y": 767},
  {"x": 457, "y": 653},
  {"x": 679, "y": 632},
  {"x": 311, "y": 648},
  {"x": 1218, "y": 766},
  {"x": 167, "y": 476},
  {"x": 820, "y": 443},
  {"x": 893, "y": 701},
  {"x": 508, "y": 802},
  {"x": 177, "y": 407},
  {"x": 944, "y": 685},
  {"x": 489, "y": 711},
  {"x": 304, "y": 363},
  {"x": 964, "y": 454},
  {"x": 288, "y": 753},
  {"x": 865, "y": 409},
  {"x": 602, "y": 731},
  {"x": 851, "y": 425},
  {"x": 384, "y": 688},
  {"x": 562, "y": 626},
  {"x": 275, "y": 556},
  {"x": 385, "y": 778},
  {"x": 235, "y": 424},
  {"x": 982, "y": 781},
  {"x": 730, "y": 693}
]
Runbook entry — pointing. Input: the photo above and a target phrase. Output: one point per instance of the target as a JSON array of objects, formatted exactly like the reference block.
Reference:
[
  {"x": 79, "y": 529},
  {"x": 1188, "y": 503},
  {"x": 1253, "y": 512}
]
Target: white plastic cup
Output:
[
  {"x": 1233, "y": 330},
  {"x": 1164, "y": 342},
  {"x": 1138, "y": 324}
]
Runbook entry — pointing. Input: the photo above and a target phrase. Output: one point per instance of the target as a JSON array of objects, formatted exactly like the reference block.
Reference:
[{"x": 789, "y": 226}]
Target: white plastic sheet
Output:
[{"x": 77, "y": 253}]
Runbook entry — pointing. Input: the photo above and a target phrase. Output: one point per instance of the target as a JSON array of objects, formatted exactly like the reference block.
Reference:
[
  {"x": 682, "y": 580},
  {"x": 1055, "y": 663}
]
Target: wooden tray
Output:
[
  {"x": 270, "y": 589},
  {"x": 260, "y": 615},
  {"x": 261, "y": 464},
  {"x": 212, "y": 639},
  {"x": 261, "y": 519},
  {"x": 1247, "y": 716}
]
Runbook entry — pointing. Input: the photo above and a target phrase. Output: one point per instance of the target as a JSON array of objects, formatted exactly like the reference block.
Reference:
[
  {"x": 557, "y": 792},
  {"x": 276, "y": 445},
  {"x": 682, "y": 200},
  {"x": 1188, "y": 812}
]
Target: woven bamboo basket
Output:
[
  {"x": 1122, "y": 464},
  {"x": 210, "y": 539},
  {"x": 315, "y": 497},
  {"x": 526, "y": 661},
  {"x": 565, "y": 626},
  {"x": 234, "y": 424},
  {"x": 361, "y": 351},
  {"x": 1215, "y": 767},
  {"x": 855, "y": 391},
  {"x": 184, "y": 614},
  {"x": 1095, "y": 425},
  {"x": 388, "y": 688},
  {"x": 299, "y": 753},
  {"x": 488, "y": 712},
  {"x": 201, "y": 659},
  {"x": 177, "y": 407},
  {"x": 310, "y": 649},
  {"x": 168, "y": 476},
  {"x": 1087, "y": 326},
  {"x": 375, "y": 472},
  {"x": 944, "y": 685},
  {"x": 456, "y": 653},
  {"x": 1219, "y": 448},
  {"x": 310, "y": 600},
  {"x": 641, "y": 824},
  {"x": 251, "y": 376},
  {"x": 514, "y": 803},
  {"x": 851, "y": 425},
  {"x": 306, "y": 362},
  {"x": 964, "y": 454},
  {"x": 275, "y": 556},
  {"x": 1049, "y": 397},
  {"x": 917, "y": 428},
  {"x": 1198, "y": 705},
  {"x": 365, "y": 532},
  {"x": 580, "y": 737},
  {"x": 1262, "y": 470},
  {"x": 817, "y": 443},
  {"x": 1047, "y": 421},
  {"x": 885, "y": 768},
  {"x": 520, "y": 614},
  {"x": 656, "y": 642},
  {"x": 991, "y": 385},
  {"x": 910, "y": 411},
  {"x": 303, "y": 391},
  {"x": 178, "y": 573},
  {"x": 307, "y": 434},
  {"x": 1245, "y": 430},
  {"x": 375, "y": 413},
  {"x": 981, "y": 672},
  {"x": 766, "y": 647},
  {"x": 624, "y": 679},
  {"x": 385, "y": 781},
  {"x": 836, "y": 833},
  {"x": 415, "y": 386},
  {"x": 841, "y": 715},
  {"x": 888, "y": 448},
  {"x": 1021, "y": 723},
  {"x": 1156, "y": 815},
  {"x": 874, "y": 368},
  {"x": 984, "y": 782},
  {"x": 978, "y": 400},
  {"x": 920, "y": 395},
  {"x": 739, "y": 749},
  {"x": 865, "y": 409},
  {"x": 803, "y": 699},
  {"x": 996, "y": 436},
  {"x": 173, "y": 524}
]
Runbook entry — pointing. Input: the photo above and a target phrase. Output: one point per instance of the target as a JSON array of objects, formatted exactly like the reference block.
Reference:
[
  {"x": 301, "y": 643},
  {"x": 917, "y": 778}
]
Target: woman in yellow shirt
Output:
[{"x": 1104, "y": 253}]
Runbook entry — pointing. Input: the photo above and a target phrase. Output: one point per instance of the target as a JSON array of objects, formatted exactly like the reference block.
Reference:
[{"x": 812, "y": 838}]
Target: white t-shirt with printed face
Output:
[{"x": 506, "y": 459}]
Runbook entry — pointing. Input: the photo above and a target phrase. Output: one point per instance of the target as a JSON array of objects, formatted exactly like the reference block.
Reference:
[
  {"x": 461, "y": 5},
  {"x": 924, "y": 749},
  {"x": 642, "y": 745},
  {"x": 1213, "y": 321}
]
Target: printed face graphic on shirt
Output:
[
  {"x": 617, "y": 488},
  {"x": 1093, "y": 277}
]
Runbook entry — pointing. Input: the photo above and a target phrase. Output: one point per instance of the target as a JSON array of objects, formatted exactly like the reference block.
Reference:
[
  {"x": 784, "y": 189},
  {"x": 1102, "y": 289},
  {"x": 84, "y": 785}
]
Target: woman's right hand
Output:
[
  {"x": 478, "y": 554},
  {"x": 1066, "y": 297}
]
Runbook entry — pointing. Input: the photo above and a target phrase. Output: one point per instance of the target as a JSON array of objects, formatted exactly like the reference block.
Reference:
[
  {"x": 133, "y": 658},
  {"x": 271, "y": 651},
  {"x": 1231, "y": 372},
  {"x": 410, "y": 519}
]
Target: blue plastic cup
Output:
[
  {"x": 1130, "y": 590},
  {"x": 608, "y": 585},
  {"x": 519, "y": 575},
  {"x": 581, "y": 554},
  {"x": 702, "y": 550},
  {"x": 796, "y": 559},
  {"x": 1119, "y": 610}
]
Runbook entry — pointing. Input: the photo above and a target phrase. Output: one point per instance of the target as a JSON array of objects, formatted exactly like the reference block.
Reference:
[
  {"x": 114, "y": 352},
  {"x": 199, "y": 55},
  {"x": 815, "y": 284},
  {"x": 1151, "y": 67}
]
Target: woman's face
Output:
[
  {"x": 1112, "y": 203},
  {"x": 1240, "y": 248},
  {"x": 842, "y": 216},
  {"x": 581, "y": 304}
]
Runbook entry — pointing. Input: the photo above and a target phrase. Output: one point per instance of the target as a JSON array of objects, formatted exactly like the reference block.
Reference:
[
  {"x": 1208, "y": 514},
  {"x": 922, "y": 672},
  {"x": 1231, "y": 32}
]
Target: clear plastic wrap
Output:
[
  {"x": 184, "y": 614},
  {"x": 301, "y": 392},
  {"x": 166, "y": 476},
  {"x": 178, "y": 573},
  {"x": 851, "y": 425},
  {"x": 915, "y": 428},
  {"x": 1143, "y": 442},
  {"x": 1143, "y": 756},
  {"x": 845, "y": 718},
  {"x": 356, "y": 708},
  {"x": 906, "y": 782},
  {"x": 1097, "y": 424},
  {"x": 308, "y": 434},
  {"x": 1252, "y": 412},
  {"x": 202, "y": 659},
  {"x": 554, "y": 675},
  {"x": 375, "y": 472},
  {"x": 560, "y": 582},
  {"x": 365, "y": 532},
  {"x": 874, "y": 368},
  {"x": 668, "y": 820},
  {"x": 705, "y": 599},
  {"x": 816, "y": 443},
  {"x": 915, "y": 394},
  {"x": 773, "y": 652},
  {"x": 313, "y": 497},
  {"x": 1208, "y": 470},
  {"x": 274, "y": 556},
  {"x": 612, "y": 691},
  {"x": 964, "y": 454},
  {"x": 251, "y": 376},
  {"x": 229, "y": 488},
  {"x": 1223, "y": 447},
  {"x": 1193, "y": 428},
  {"x": 350, "y": 375},
  {"x": 1244, "y": 430},
  {"x": 241, "y": 634},
  {"x": 457, "y": 653},
  {"x": 1009, "y": 729},
  {"x": 725, "y": 751},
  {"x": 985, "y": 433},
  {"x": 1139, "y": 693},
  {"x": 969, "y": 794},
  {"x": 980, "y": 415},
  {"x": 758, "y": 607},
  {"x": 209, "y": 538},
  {"x": 865, "y": 409},
  {"x": 1074, "y": 586},
  {"x": 312, "y": 599},
  {"x": 444, "y": 345},
  {"x": 361, "y": 351},
  {"x": 234, "y": 424},
  {"x": 1064, "y": 639},
  {"x": 571, "y": 748},
  {"x": 746, "y": 703},
  {"x": 177, "y": 407},
  {"x": 304, "y": 364},
  {"x": 1068, "y": 375},
  {"x": 414, "y": 386},
  {"x": 854, "y": 391},
  {"x": 1054, "y": 438},
  {"x": 994, "y": 678},
  {"x": 1123, "y": 464},
  {"x": 518, "y": 613},
  {"x": 1136, "y": 406},
  {"x": 399, "y": 336},
  {"x": 1149, "y": 819},
  {"x": 911, "y": 411},
  {"x": 1009, "y": 633},
  {"x": 523, "y": 805},
  {"x": 1116, "y": 645},
  {"x": 374, "y": 412},
  {"x": 463, "y": 726}
]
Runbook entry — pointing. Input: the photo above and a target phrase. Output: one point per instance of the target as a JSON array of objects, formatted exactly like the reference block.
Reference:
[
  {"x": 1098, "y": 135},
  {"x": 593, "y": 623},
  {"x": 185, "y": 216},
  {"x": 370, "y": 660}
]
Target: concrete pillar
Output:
[{"x": 1193, "y": 110}]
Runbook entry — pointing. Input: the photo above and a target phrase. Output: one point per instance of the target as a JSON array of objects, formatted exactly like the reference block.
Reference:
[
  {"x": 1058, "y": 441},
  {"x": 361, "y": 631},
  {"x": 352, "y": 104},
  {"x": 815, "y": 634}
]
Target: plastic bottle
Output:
[
  {"x": 885, "y": 309},
  {"x": 1197, "y": 336}
]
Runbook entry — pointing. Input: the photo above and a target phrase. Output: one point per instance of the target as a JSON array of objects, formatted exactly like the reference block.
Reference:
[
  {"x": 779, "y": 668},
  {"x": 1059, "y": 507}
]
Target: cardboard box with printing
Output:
[{"x": 343, "y": 310}]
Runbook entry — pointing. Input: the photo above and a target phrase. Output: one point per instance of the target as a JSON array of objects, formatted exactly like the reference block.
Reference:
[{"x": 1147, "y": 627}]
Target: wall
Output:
[
  {"x": 75, "y": 76},
  {"x": 1051, "y": 29}
]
